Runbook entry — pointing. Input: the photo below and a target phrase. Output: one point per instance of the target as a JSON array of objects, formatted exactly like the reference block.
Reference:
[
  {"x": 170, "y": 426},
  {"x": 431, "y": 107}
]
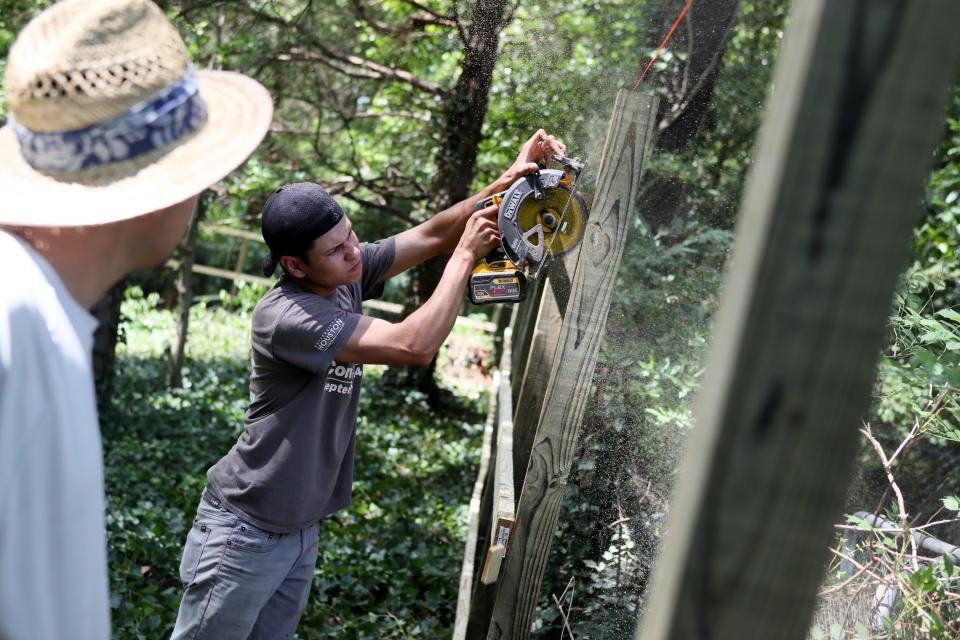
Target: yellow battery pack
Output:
[{"x": 496, "y": 281}]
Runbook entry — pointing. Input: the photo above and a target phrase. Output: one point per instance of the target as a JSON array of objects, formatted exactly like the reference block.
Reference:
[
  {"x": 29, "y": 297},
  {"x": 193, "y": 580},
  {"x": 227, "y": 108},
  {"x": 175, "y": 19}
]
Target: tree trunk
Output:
[
  {"x": 185, "y": 295},
  {"x": 464, "y": 110},
  {"x": 703, "y": 34},
  {"x": 107, "y": 313}
]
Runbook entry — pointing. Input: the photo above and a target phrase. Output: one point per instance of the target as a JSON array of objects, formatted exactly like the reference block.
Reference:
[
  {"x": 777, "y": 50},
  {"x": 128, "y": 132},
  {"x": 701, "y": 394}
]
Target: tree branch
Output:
[
  {"x": 394, "y": 114},
  {"x": 369, "y": 70},
  {"x": 414, "y": 22},
  {"x": 432, "y": 12},
  {"x": 373, "y": 70},
  {"x": 461, "y": 30},
  {"x": 436, "y": 17}
]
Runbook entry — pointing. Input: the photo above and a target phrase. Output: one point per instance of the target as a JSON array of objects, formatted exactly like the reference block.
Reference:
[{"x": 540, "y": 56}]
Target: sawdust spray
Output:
[{"x": 612, "y": 521}]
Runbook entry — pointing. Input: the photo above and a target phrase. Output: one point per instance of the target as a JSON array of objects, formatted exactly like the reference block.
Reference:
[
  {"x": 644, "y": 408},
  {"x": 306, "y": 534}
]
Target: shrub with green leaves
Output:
[{"x": 388, "y": 565}]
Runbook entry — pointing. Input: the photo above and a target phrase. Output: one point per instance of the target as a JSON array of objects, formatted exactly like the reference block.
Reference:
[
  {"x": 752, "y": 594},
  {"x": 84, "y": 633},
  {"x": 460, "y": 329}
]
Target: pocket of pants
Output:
[
  {"x": 251, "y": 538},
  {"x": 214, "y": 517},
  {"x": 193, "y": 552}
]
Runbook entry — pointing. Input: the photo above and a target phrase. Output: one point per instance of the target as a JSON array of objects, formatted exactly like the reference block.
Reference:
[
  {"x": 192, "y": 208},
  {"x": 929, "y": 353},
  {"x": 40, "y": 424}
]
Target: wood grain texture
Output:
[
  {"x": 524, "y": 320},
  {"x": 504, "y": 505},
  {"x": 556, "y": 441},
  {"x": 543, "y": 348},
  {"x": 839, "y": 171}
]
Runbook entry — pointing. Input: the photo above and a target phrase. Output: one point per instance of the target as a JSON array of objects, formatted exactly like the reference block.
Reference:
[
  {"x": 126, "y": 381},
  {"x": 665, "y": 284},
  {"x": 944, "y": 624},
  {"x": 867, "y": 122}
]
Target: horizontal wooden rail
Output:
[
  {"x": 226, "y": 274},
  {"x": 231, "y": 231},
  {"x": 378, "y": 305}
]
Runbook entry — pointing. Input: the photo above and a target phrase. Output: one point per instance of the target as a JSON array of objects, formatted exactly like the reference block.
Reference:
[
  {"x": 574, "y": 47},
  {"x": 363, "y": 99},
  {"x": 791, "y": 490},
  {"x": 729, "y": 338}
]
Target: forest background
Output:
[{"x": 401, "y": 108}]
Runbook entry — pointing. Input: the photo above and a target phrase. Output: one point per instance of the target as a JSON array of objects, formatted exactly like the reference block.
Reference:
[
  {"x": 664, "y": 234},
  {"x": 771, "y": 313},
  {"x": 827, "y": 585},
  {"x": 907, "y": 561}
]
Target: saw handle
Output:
[
  {"x": 496, "y": 198},
  {"x": 496, "y": 253},
  {"x": 495, "y": 278}
]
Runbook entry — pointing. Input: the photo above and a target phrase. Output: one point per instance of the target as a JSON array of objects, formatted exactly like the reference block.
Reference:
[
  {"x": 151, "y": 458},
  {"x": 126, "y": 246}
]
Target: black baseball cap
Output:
[{"x": 293, "y": 217}]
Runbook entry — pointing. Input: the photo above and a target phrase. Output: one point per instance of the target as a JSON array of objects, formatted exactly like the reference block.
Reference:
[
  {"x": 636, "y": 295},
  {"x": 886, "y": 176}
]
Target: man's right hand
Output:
[{"x": 481, "y": 235}]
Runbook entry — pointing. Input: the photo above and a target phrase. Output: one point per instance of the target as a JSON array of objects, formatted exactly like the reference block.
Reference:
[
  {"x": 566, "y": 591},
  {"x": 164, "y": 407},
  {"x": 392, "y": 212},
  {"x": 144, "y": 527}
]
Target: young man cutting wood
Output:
[{"x": 249, "y": 558}]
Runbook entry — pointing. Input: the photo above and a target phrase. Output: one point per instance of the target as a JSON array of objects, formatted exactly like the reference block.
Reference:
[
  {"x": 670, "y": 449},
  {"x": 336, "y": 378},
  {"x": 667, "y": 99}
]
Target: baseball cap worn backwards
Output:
[{"x": 293, "y": 217}]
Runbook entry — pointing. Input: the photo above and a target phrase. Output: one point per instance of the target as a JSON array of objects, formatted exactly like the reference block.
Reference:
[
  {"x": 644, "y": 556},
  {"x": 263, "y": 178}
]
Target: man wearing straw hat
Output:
[{"x": 111, "y": 138}]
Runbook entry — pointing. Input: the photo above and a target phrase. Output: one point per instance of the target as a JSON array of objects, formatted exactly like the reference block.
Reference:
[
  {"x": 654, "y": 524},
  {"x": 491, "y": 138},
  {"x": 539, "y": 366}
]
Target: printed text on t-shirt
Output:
[
  {"x": 329, "y": 335},
  {"x": 340, "y": 378}
]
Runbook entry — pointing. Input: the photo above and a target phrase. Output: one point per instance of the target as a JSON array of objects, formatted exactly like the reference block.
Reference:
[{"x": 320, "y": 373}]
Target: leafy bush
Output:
[{"x": 388, "y": 565}]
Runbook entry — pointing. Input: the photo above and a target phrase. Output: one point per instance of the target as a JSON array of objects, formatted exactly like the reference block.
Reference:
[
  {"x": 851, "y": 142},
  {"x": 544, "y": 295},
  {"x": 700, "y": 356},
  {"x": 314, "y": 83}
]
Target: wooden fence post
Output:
[
  {"x": 855, "y": 114},
  {"x": 536, "y": 374},
  {"x": 524, "y": 321},
  {"x": 556, "y": 442}
]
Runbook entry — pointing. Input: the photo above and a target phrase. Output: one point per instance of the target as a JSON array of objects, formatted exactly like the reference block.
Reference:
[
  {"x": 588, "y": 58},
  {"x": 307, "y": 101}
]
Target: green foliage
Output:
[
  {"x": 244, "y": 298},
  {"x": 157, "y": 443},
  {"x": 388, "y": 566},
  {"x": 916, "y": 412},
  {"x": 922, "y": 360}
]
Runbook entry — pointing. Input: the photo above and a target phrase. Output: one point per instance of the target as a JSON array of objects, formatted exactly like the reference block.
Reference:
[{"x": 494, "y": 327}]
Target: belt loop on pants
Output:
[{"x": 211, "y": 499}]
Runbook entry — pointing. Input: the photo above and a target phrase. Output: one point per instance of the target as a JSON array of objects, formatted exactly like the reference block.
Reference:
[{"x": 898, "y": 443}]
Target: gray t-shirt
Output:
[{"x": 293, "y": 463}]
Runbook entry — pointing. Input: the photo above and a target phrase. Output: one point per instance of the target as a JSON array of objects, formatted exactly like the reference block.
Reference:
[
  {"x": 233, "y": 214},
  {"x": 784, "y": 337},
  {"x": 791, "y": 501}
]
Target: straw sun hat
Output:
[{"x": 109, "y": 120}]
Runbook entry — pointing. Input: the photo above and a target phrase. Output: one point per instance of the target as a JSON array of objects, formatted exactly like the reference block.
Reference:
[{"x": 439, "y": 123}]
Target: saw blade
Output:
[
  {"x": 533, "y": 230},
  {"x": 579, "y": 207},
  {"x": 556, "y": 220}
]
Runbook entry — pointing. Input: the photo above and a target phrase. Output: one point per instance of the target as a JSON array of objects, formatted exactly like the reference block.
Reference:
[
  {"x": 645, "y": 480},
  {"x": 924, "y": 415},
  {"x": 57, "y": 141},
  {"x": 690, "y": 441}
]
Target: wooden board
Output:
[
  {"x": 491, "y": 564},
  {"x": 481, "y": 598},
  {"x": 543, "y": 348},
  {"x": 524, "y": 318},
  {"x": 378, "y": 305},
  {"x": 504, "y": 506},
  {"x": 231, "y": 231},
  {"x": 848, "y": 139},
  {"x": 226, "y": 274},
  {"x": 565, "y": 397}
]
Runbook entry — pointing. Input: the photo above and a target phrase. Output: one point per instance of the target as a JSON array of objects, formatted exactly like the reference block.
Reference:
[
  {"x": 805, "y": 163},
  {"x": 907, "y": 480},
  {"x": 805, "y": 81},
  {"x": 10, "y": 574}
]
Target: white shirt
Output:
[{"x": 53, "y": 569}]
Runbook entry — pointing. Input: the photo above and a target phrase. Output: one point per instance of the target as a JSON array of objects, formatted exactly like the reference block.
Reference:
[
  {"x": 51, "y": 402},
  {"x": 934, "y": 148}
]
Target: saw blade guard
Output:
[{"x": 531, "y": 228}]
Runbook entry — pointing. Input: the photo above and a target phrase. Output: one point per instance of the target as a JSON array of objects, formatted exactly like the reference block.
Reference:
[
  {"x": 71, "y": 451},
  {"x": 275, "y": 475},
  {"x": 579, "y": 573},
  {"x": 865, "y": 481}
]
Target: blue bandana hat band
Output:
[{"x": 150, "y": 125}]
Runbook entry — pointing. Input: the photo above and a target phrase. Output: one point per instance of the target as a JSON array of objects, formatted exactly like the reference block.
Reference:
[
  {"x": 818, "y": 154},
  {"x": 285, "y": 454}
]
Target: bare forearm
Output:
[
  {"x": 451, "y": 221},
  {"x": 441, "y": 233},
  {"x": 416, "y": 339},
  {"x": 432, "y": 322}
]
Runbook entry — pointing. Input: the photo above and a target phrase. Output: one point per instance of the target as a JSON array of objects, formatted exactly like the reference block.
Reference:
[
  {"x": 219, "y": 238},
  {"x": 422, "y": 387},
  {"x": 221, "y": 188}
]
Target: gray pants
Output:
[{"x": 241, "y": 581}]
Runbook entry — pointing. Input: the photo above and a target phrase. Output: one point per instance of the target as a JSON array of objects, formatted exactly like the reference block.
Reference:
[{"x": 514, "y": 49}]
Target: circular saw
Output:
[{"x": 541, "y": 216}]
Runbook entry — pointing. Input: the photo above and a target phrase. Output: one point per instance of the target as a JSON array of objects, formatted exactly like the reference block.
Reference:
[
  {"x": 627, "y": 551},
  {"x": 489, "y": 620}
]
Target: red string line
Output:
[{"x": 662, "y": 44}]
